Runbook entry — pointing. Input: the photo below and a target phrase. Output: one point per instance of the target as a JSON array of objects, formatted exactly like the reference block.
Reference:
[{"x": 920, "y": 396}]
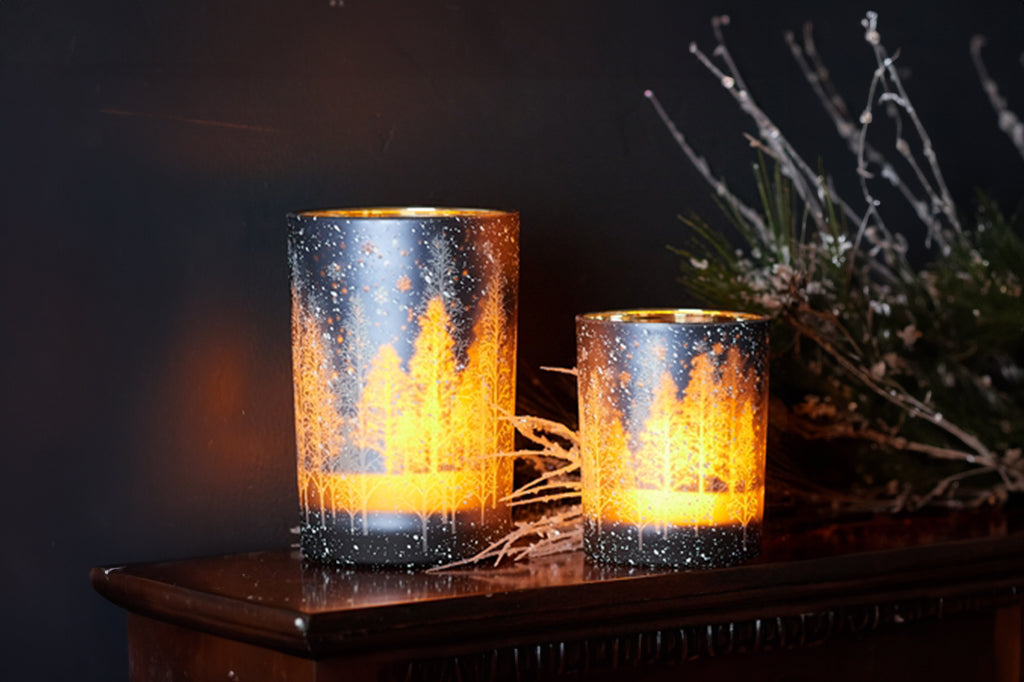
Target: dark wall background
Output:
[{"x": 150, "y": 153}]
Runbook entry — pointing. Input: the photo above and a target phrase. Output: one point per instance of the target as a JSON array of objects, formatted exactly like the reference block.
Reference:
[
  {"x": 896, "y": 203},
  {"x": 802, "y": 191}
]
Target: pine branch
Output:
[{"x": 915, "y": 347}]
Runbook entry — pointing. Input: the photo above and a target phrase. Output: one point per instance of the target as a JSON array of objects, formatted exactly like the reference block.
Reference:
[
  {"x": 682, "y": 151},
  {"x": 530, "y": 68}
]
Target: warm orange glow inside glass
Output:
[
  {"x": 698, "y": 459},
  {"x": 433, "y": 428},
  {"x": 442, "y": 492},
  {"x": 654, "y": 507}
]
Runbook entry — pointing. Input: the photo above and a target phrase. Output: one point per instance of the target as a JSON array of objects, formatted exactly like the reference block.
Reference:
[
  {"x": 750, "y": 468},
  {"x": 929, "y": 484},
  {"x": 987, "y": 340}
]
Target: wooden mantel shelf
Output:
[{"x": 949, "y": 586}]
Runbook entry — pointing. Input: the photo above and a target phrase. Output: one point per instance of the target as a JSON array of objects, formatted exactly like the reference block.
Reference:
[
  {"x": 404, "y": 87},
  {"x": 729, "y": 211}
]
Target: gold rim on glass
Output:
[
  {"x": 404, "y": 212},
  {"x": 674, "y": 316}
]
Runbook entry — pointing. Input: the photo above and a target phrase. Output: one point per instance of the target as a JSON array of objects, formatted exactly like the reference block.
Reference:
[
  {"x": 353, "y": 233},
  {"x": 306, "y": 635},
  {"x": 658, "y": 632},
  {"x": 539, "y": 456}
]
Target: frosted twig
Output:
[
  {"x": 805, "y": 181},
  {"x": 527, "y": 493},
  {"x": 752, "y": 217},
  {"x": 1008, "y": 121},
  {"x": 942, "y": 201},
  {"x": 832, "y": 102},
  {"x": 559, "y": 532},
  {"x": 791, "y": 162},
  {"x": 862, "y": 169},
  {"x": 928, "y": 217},
  {"x": 943, "y": 485},
  {"x": 818, "y": 77},
  {"x": 723, "y": 52},
  {"x": 897, "y": 396},
  {"x": 535, "y": 428},
  {"x": 1012, "y": 479},
  {"x": 558, "y": 443},
  {"x": 816, "y": 74},
  {"x": 568, "y": 539},
  {"x": 565, "y": 495},
  {"x": 554, "y": 533},
  {"x": 571, "y": 371}
]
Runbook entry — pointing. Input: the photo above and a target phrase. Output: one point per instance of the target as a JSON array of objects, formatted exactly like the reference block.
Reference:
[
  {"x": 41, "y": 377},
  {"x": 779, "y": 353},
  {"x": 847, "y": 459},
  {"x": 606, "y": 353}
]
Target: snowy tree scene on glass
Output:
[
  {"x": 673, "y": 418},
  {"x": 404, "y": 346}
]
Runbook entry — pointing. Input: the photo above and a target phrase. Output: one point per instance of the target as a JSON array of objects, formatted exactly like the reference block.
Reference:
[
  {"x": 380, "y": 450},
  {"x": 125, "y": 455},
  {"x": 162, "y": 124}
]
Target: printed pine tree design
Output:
[
  {"x": 660, "y": 466},
  {"x": 431, "y": 373},
  {"x": 605, "y": 454},
  {"x": 318, "y": 424},
  {"x": 382, "y": 410},
  {"x": 697, "y": 460},
  {"x": 419, "y": 440},
  {"x": 745, "y": 404},
  {"x": 487, "y": 388}
]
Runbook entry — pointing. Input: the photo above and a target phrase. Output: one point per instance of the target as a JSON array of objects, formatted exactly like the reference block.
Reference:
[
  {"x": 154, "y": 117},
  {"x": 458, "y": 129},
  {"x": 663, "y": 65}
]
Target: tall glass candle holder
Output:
[
  {"x": 673, "y": 415},
  {"x": 404, "y": 346}
]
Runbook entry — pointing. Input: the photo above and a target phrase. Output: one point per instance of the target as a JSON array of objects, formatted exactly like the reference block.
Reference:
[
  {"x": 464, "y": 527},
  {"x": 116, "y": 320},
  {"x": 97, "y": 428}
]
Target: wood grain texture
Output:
[{"x": 273, "y": 599}]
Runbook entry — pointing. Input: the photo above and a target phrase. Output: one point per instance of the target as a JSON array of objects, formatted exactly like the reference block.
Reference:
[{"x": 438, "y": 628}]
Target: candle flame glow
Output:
[{"x": 419, "y": 440}]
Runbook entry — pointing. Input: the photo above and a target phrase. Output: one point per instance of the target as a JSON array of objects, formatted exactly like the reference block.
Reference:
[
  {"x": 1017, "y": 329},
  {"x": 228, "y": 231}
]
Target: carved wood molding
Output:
[{"x": 675, "y": 646}]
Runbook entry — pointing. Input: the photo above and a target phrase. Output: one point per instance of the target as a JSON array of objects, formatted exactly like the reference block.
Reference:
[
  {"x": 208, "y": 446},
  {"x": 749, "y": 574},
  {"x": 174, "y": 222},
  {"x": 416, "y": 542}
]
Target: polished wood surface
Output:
[{"x": 820, "y": 584}]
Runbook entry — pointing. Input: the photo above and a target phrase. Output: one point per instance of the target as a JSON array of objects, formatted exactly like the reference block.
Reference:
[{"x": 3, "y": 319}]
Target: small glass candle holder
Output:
[
  {"x": 404, "y": 347},
  {"x": 673, "y": 416}
]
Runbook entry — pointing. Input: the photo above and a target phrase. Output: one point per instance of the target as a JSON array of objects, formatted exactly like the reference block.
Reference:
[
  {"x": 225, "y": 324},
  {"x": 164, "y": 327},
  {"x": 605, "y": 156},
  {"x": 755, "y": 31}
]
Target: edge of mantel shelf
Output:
[{"x": 587, "y": 608}]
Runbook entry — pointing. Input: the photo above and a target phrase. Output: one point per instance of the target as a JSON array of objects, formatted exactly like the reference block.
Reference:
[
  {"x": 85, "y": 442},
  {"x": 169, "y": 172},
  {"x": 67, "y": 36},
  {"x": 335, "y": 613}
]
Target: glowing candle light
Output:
[
  {"x": 404, "y": 344},
  {"x": 673, "y": 414}
]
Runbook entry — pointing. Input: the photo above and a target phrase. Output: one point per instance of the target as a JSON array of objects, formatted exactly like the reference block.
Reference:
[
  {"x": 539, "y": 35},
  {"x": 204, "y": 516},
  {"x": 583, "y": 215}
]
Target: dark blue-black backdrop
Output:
[{"x": 150, "y": 151}]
